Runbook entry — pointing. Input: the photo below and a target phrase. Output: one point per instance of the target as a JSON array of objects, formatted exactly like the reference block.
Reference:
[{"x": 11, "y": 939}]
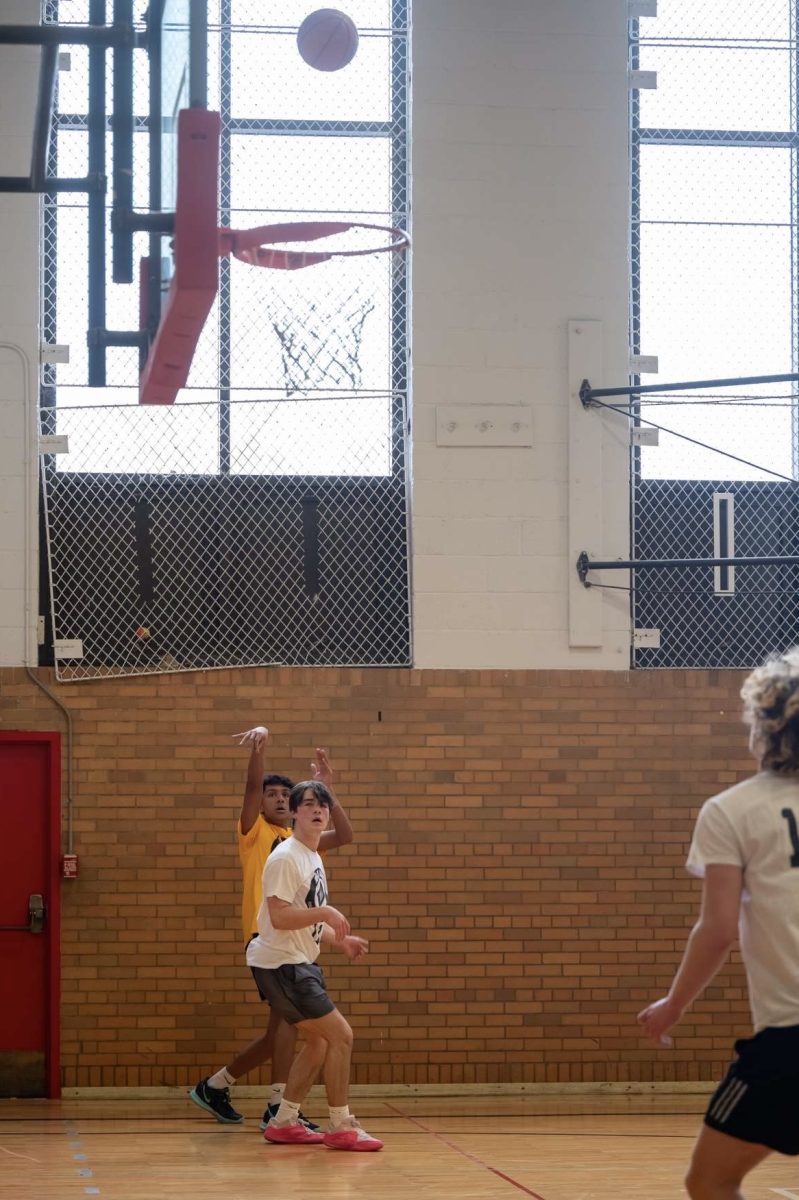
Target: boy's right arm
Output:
[
  {"x": 256, "y": 769},
  {"x": 285, "y": 915},
  {"x": 707, "y": 948}
]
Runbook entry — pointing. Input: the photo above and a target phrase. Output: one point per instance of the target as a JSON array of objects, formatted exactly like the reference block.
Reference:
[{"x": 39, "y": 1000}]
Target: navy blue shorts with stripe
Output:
[{"x": 757, "y": 1099}]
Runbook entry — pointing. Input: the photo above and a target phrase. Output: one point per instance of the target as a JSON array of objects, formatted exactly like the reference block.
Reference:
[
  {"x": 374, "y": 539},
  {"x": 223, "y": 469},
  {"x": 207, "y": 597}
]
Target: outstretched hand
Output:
[
  {"x": 322, "y": 770},
  {"x": 258, "y": 736}
]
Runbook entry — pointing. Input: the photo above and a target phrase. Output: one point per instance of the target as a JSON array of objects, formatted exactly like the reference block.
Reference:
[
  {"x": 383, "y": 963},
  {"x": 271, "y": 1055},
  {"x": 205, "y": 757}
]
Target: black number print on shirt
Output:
[
  {"x": 317, "y": 898},
  {"x": 790, "y": 817}
]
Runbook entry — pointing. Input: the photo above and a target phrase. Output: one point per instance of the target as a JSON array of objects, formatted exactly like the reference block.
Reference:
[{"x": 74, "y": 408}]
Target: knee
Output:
[{"x": 343, "y": 1035}]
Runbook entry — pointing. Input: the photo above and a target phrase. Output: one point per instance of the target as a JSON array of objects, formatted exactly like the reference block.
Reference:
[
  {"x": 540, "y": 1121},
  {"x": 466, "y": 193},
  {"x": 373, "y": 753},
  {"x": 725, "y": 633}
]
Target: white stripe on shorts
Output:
[{"x": 727, "y": 1100}]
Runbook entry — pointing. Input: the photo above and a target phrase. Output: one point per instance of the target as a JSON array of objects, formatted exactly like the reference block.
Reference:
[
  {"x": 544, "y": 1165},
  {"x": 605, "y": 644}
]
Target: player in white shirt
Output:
[
  {"x": 746, "y": 848},
  {"x": 293, "y": 921}
]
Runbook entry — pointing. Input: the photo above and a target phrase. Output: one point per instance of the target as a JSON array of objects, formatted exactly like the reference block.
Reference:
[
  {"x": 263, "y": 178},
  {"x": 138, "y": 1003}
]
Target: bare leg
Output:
[
  {"x": 305, "y": 1069},
  {"x": 277, "y": 1043},
  {"x": 337, "y": 1068},
  {"x": 719, "y": 1164},
  {"x": 285, "y": 1043},
  {"x": 329, "y": 1041}
]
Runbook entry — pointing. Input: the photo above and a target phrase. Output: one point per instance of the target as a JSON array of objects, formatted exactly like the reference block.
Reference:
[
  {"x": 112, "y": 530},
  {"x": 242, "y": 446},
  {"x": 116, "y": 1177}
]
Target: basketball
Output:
[{"x": 327, "y": 39}]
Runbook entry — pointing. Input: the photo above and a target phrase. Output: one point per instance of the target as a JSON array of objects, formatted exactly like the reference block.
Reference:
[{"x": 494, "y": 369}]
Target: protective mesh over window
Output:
[
  {"x": 263, "y": 518},
  {"x": 188, "y": 568},
  {"x": 715, "y": 268}
]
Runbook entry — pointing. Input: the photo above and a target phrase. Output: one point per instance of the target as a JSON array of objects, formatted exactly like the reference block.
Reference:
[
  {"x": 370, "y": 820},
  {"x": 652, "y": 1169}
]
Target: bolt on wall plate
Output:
[{"x": 484, "y": 425}]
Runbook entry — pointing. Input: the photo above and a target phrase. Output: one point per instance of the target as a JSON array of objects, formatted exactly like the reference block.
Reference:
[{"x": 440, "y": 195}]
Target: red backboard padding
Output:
[{"x": 196, "y": 251}]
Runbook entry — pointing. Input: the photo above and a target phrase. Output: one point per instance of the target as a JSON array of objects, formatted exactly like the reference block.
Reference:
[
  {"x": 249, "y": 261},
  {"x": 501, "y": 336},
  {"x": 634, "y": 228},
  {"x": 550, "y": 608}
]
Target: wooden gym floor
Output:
[{"x": 547, "y": 1147}]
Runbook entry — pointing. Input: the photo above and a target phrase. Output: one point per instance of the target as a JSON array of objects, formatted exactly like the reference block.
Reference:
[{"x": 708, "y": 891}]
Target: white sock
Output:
[
  {"x": 223, "y": 1079},
  {"x": 276, "y": 1095},
  {"x": 288, "y": 1113},
  {"x": 339, "y": 1115}
]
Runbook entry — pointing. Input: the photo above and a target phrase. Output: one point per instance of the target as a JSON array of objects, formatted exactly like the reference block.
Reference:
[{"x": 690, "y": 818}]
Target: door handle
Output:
[{"x": 37, "y": 912}]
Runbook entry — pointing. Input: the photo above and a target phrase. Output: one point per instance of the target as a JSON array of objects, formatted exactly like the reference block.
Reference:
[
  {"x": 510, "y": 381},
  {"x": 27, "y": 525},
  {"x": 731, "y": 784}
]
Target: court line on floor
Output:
[
  {"x": 14, "y": 1154},
  {"x": 466, "y": 1154},
  {"x": 189, "y": 1124},
  {"x": 85, "y": 1172}
]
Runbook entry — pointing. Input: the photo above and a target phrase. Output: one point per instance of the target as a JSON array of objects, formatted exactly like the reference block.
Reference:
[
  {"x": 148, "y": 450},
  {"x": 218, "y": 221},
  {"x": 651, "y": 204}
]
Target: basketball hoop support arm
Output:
[
  {"x": 587, "y": 397},
  {"x": 584, "y": 564},
  {"x": 70, "y": 35},
  {"x": 120, "y": 36},
  {"x": 589, "y": 394}
]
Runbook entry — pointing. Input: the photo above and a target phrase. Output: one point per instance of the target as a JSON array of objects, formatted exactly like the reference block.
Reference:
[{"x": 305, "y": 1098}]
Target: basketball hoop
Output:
[
  {"x": 252, "y": 246},
  {"x": 198, "y": 244}
]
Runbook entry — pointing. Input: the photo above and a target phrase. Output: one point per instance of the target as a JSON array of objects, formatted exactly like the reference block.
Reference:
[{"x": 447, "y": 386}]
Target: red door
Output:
[{"x": 30, "y": 840}]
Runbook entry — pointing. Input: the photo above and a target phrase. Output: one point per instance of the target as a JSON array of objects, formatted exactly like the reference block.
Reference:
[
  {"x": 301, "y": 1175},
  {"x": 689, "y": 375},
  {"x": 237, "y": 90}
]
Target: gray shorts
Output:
[{"x": 296, "y": 991}]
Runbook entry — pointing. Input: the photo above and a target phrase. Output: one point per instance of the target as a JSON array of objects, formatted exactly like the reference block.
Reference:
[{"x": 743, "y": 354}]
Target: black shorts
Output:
[
  {"x": 296, "y": 991},
  {"x": 757, "y": 1099}
]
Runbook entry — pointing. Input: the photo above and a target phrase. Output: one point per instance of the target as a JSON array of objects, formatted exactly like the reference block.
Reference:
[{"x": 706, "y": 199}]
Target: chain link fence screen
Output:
[
  {"x": 263, "y": 518},
  {"x": 701, "y": 622},
  {"x": 183, "y": 568},
  {"x": 715, "y": 257}
]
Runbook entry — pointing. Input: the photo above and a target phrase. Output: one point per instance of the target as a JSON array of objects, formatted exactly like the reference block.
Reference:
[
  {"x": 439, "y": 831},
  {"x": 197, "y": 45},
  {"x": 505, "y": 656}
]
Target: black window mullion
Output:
[
  {"x": 635, "y": 293},
  {"x": 399, "y": 217},
  {"x": 224, "y": 299},
  {"x": 794, "y": 227}
]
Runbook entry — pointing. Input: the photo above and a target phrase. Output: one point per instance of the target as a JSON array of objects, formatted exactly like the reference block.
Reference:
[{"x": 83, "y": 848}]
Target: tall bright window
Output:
[
  {"x": 297, "y": 144},
  {"x": 715, "y": 231}
]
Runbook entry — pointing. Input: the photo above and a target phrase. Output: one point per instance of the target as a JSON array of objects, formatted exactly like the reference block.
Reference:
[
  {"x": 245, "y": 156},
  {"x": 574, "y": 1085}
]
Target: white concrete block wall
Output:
[
  {"x": 19, "y": 345},
  {"x": 521, "y": 219}
]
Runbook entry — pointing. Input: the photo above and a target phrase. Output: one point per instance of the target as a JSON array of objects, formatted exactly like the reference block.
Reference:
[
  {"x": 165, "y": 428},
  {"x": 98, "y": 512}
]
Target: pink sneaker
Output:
[
  {"x": 350, "y": 1136},
  {"x": 295, "y": 1135}
]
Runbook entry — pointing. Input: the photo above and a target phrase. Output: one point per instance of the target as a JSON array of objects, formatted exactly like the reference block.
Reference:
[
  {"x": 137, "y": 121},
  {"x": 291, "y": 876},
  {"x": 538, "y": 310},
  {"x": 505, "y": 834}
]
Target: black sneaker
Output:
[
  {"x": 271, "y": 1112},
  {"x": 215, "y": 1101}
]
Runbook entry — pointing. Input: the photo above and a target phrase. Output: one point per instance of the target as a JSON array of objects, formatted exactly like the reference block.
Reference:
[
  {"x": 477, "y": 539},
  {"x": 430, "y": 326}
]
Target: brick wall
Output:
[{"x": 517, "y": 867}]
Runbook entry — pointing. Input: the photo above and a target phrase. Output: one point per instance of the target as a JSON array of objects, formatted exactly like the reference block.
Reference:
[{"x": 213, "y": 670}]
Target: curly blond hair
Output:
[{"x": 771, "y": 708}]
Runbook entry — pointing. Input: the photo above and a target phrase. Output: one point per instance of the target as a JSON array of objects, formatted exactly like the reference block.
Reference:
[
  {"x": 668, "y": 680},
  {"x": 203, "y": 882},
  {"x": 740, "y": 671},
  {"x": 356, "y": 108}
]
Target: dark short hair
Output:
[
  {"x": 318, "y": 789},
  {"x": 277, "y": 781}
]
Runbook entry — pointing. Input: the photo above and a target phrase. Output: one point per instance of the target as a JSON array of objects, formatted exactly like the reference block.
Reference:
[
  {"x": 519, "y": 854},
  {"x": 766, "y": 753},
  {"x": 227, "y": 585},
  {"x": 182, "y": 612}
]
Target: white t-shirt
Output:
[
  {"x": 755, "y": 825},
  {"x": 296, "y": 874}
]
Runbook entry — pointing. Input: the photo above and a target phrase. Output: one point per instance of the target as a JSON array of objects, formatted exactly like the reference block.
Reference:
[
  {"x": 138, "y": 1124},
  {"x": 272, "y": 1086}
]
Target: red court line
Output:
[{"x": 473, "y": 1157}]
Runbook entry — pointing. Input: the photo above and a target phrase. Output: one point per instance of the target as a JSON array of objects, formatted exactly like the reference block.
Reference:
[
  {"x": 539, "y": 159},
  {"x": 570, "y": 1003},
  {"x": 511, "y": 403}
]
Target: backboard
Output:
[{"x": 183, "y": 70}]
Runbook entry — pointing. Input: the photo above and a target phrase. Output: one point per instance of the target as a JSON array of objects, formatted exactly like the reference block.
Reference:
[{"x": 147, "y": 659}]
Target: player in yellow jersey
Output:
[{"x": 264, "y": 822}]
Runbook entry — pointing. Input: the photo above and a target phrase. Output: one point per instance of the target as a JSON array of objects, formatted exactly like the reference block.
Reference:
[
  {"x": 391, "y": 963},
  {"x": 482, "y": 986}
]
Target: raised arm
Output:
[
  {"x": 709, "y": 943},
  {"x": 256, "y": 769},
  {"x": 341, "y": 833}
]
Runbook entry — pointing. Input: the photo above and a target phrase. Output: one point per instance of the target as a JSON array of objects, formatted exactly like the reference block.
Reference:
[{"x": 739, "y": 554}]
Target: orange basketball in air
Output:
[{"x": 327, "y": 39}]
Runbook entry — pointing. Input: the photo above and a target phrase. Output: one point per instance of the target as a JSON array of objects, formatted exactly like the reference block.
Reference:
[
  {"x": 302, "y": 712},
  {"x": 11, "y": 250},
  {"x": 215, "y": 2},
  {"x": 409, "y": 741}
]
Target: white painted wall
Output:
[
  {"x": 520, "y": 218},
  {"x": 520, "y": 201},
  {"x": 19, "y": 343}
]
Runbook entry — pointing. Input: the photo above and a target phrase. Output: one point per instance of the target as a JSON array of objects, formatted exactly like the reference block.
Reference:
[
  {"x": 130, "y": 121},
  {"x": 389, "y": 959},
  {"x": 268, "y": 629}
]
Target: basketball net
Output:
[{"x": 316, "y": 317}]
